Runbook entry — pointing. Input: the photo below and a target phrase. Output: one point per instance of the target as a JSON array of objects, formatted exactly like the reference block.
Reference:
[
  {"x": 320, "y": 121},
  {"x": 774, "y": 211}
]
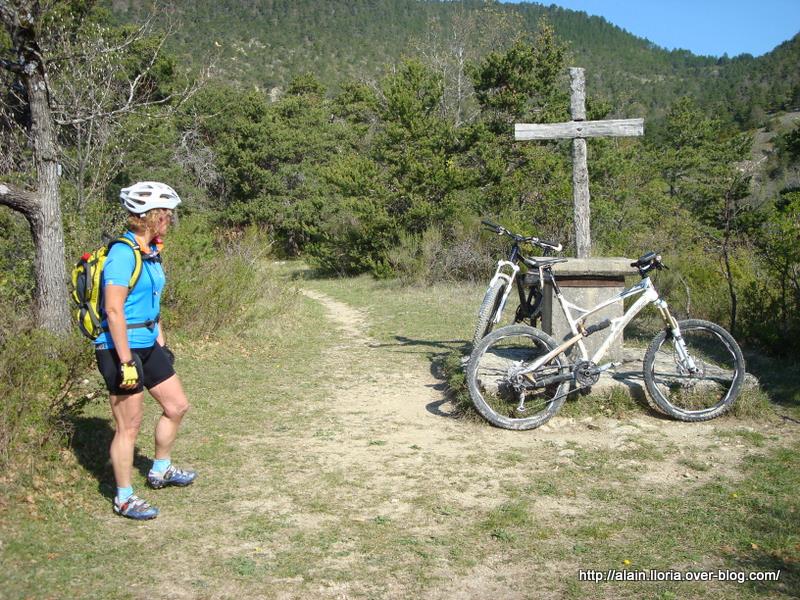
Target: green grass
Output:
[{"x": 299, "y": 497}]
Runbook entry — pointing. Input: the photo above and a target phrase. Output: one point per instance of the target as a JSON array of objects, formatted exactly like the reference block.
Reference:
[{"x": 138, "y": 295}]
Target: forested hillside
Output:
[{"x": 266, "y": 43}]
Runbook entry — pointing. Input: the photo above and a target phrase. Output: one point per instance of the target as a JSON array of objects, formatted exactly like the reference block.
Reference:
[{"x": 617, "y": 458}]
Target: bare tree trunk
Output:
[
  {"x": 731, "y": 287},
  {"x": 48, "y": 232},
  {"x": 42, "y": 209}
]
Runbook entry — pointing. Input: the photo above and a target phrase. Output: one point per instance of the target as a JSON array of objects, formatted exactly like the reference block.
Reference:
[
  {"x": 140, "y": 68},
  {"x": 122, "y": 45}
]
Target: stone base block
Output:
[{"x": 587, "y": 282}]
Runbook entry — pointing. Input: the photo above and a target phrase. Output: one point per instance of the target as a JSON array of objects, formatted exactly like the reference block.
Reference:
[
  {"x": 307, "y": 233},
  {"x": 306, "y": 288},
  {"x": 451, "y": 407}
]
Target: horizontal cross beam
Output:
[{"x": 579, "y": 129}]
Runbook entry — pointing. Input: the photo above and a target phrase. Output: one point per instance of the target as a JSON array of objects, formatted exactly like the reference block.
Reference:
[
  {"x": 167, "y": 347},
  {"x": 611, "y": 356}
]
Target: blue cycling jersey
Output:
[{"x": 144, "y": 300}]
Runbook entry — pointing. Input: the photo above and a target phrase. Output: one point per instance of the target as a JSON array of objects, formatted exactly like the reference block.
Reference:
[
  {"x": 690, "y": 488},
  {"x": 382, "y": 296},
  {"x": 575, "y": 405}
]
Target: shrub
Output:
[
  {"x": 436, "y": 255},
  {"x": 452, "y": 369},
  {"x": 213, "y": 278},
  {"x": 40, "y": 377}
]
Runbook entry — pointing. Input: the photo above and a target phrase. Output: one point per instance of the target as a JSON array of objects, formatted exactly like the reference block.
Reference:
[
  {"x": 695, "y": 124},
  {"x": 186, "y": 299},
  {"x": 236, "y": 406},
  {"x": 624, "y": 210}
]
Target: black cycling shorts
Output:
[{"x": 152, "y": 364}]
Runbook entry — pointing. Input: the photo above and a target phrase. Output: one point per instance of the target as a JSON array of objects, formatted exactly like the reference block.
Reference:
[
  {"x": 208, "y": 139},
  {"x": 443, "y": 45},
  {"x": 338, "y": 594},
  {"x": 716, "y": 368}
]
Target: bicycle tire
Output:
[
  {"x": 488, "y": 311},
  {"x": 490, "y": 389},
  {"x": 699, "y": 396}
]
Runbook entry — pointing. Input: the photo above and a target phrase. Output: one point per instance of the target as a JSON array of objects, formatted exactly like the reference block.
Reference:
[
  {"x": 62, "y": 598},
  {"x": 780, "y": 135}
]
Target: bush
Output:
[
  {"x": 40, "y": 377},
  {"x": 213, "y": 278},
  {"x": 452, "y": 368},
  {"x": 435, "y": 256},
  {"x": 16, "y": 272}
]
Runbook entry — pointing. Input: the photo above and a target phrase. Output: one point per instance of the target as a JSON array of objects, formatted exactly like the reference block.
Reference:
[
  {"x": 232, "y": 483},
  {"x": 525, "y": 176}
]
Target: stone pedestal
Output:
[{"x": 587, "y": 282}]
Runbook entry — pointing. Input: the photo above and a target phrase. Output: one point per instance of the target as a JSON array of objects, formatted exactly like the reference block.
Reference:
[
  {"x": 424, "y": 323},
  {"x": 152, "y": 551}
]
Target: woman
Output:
[{"x": 131, "y": 352}]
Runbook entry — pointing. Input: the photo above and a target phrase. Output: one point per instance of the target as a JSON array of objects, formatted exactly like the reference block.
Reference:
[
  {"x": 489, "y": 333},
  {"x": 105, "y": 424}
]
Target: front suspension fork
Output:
[{"x": 680, "y": 345}]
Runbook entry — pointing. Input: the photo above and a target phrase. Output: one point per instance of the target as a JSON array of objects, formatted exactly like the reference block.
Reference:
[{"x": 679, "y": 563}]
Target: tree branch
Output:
[
  {"x": 129, "y": 41},
  {"x": 7, "y": 17},
  {"x": 18, "y": 199}
]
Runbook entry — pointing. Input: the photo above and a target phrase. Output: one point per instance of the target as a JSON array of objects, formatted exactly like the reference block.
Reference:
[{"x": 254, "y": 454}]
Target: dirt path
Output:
[
  {"x": 394, "y": 437},
  {"x": 394, "y": 400},
  {"x": 406, "y": 404}
]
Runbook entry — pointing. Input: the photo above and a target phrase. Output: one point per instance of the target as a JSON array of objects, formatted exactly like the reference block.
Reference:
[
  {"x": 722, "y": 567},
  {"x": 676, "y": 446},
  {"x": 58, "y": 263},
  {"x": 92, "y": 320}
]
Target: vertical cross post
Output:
[
  {"x": 578, "y": 130},
  {"x": 580, "y": 169}
]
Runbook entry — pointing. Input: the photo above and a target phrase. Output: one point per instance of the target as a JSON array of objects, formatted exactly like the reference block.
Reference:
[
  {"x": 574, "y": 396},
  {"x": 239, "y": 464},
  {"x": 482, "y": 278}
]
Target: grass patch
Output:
[
  {"x": 695, "y": 465},
  {"x": 750, "y": 436},
  {"x": 643, "y": 450},
  {"x": 503, "y": 521},
  {"x": 616, "y": 403},
  {"x": 753, "y": 403}
]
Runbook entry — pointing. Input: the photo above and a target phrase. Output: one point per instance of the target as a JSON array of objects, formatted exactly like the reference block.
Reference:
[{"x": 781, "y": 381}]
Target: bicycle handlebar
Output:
[
  {"x": 648, "y": 261},
  {"x": 545, "y": 244}
]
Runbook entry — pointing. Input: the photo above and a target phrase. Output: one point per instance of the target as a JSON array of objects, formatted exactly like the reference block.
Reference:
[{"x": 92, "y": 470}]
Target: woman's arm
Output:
[{"x": 114, "y": 303}]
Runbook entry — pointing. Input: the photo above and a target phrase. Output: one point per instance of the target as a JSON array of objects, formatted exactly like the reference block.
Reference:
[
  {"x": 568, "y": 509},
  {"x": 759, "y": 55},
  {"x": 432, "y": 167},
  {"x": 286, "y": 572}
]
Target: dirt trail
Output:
[
  {"x": 396, "y": 403},
  {"x": 406, "y": 407}
]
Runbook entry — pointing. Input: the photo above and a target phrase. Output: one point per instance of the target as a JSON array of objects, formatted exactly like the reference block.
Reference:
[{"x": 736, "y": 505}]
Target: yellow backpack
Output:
[{"x": 86, "y": 292}]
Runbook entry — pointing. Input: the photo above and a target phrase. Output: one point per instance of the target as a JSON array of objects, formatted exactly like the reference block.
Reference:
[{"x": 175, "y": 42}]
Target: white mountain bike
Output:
[{"x": 518, "y": 376}]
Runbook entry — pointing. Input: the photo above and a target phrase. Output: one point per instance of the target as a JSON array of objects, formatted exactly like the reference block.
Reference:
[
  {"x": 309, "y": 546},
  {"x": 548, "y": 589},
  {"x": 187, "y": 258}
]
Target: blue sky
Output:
[{"x": 708, "y": 27}]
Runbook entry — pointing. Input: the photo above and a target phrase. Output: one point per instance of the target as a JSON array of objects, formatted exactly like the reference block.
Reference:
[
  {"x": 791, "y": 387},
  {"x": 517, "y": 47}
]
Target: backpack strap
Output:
[
  {"x": 137, "y": 258},
  {"x": 149, "y": 324},
  {"x": 137, "y": 272}
]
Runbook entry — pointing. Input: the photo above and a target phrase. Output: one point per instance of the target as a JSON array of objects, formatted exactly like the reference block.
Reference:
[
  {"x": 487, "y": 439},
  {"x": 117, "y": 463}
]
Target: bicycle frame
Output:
[{"x": 649, "y": 295}]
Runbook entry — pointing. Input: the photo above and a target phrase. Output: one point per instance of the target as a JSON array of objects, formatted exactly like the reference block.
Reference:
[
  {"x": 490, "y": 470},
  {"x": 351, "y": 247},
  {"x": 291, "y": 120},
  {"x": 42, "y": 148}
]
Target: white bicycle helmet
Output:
[{"x": 147, "y": 195}]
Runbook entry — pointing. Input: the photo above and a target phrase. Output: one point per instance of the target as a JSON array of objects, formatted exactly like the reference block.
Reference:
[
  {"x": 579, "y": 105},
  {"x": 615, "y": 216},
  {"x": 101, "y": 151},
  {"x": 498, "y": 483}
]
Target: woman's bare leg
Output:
[
  {"x": 127, "y": 411},
  {"x": 170, "y": 395}
]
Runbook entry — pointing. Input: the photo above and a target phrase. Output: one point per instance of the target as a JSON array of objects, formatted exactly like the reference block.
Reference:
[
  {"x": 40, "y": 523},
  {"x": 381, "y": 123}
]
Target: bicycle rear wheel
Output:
[
  {"x": 488, "y": 311},
  {"x": 700, "y": 391},
  {"x": 502, "y": 395}
]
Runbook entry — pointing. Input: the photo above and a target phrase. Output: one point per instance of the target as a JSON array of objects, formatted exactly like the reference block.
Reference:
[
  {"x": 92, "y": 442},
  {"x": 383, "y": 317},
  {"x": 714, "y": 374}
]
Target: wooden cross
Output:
[{"x": 578, "y": 130}]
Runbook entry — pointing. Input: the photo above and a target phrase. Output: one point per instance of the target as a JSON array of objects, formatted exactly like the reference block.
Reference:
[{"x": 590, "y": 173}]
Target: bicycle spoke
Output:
[
  {"x": 501, "y": 388},
  {"x": 699, "y": 388}
]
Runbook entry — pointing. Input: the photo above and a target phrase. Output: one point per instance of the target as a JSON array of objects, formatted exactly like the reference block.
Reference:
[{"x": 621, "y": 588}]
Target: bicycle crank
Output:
[{"x": 586, "y": 373}]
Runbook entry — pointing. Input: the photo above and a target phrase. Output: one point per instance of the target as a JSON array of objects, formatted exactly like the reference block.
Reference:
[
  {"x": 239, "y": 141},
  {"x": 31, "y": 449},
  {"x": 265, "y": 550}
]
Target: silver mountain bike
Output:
[{"x": 519, "y": 376}]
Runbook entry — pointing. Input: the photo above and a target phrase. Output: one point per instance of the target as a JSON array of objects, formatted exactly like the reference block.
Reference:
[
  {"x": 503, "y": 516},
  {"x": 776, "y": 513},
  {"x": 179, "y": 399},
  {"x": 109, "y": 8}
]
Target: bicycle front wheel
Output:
[
  {"x": 703, "y": 383},
  {"x": 488, "y": 311},
  {"x": 502, "y": 392}
]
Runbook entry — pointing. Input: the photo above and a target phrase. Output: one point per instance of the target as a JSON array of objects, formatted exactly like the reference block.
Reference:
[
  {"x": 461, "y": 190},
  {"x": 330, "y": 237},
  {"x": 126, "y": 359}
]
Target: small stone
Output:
[{"x": 567, "y": 452}]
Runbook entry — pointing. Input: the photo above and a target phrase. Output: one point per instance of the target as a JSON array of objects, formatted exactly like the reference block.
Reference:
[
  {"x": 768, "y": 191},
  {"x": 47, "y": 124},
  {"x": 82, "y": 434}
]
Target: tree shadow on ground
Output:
[
  {"x": 780, "y": 379},
  {"x": 431, "y": 347},
  {"x": 90, "y": 443}
]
